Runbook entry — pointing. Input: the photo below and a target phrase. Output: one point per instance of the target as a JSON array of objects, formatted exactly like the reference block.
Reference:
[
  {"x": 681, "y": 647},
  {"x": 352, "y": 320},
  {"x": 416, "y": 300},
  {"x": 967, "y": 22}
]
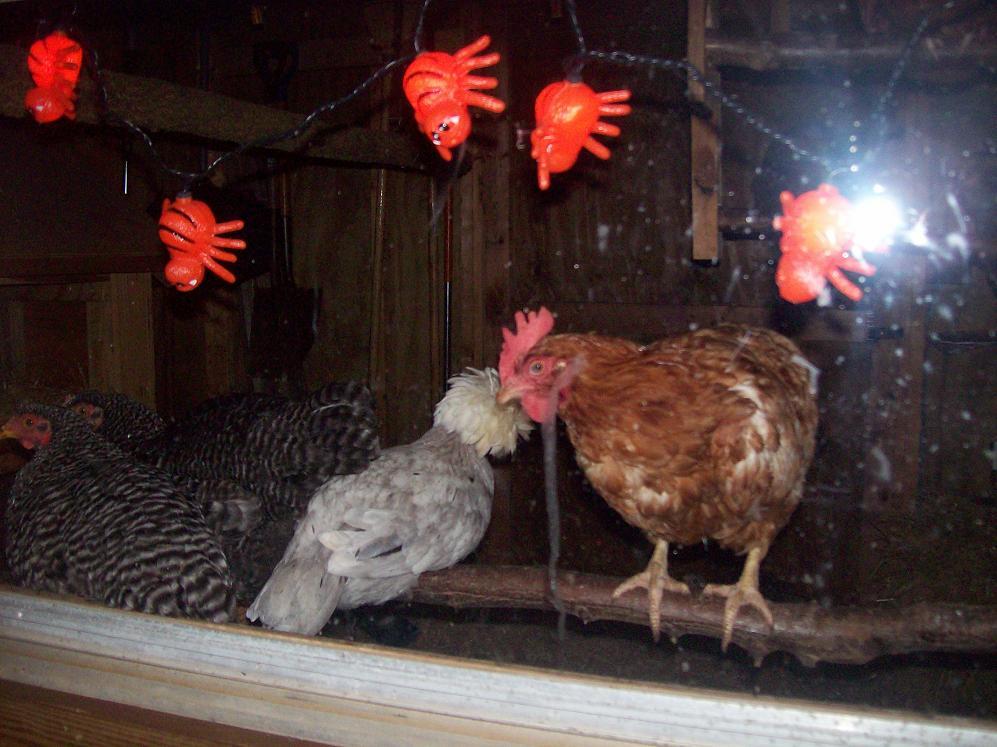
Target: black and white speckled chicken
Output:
[
  {"x": 252, "y": 460},
  {"x": 86, "y": 518},
  {"x": 277, "y": 448},
  {"x": 119, "y": 419},
  {"x": 423, "y": 506}
]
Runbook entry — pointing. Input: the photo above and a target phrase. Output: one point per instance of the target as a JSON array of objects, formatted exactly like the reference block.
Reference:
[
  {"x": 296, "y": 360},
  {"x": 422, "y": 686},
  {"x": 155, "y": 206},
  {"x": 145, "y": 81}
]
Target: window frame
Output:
[{"x": 330, "y": 691}]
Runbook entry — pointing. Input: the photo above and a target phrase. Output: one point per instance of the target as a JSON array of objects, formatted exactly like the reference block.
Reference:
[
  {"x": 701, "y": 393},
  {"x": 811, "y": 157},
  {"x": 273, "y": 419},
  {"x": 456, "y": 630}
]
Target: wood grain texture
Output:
[
  {"x": 159, "y": 106},
  {"x": 37, "y": 716},
  {"x": 705, "y": 147}
]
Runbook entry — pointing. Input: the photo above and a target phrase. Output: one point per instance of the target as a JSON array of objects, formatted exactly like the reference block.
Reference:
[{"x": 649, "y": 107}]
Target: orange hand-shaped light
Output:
[
  {"x": 567, "y": 115},
  {"x": 439, "y": 88},
  {"x": 54, "y": 63},
  {"x": 817, "y": 243},
  {"x": 190, "y": 233}
]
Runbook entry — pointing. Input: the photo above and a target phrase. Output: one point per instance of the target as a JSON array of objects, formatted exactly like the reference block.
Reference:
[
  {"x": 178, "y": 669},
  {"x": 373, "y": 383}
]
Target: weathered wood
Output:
[
  {"x": 647, "y": 322},
  {"x": 39, "y": 716},
  {"x": 853, "y": 635},
  {"x": 705, "y": 148},
  {"x": 120, "y": 338},
  {"x": 766, "y": 55},
  {"x": 158, "y": 106}
]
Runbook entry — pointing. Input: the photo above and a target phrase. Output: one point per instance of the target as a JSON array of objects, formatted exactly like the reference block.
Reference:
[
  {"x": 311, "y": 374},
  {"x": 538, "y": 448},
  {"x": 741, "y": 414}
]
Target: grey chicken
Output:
[
  {"x": 86, "y": 518},
  {"x": 419, "y": 507}
]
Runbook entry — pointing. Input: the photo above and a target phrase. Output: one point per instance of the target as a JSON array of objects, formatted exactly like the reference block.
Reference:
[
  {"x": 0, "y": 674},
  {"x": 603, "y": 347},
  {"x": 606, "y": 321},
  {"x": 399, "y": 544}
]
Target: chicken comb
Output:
[{"x": 531, "y": 328}]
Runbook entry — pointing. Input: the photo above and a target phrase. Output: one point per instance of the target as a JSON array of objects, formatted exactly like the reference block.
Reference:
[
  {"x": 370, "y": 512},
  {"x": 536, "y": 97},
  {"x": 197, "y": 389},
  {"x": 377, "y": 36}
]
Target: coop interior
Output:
[{"x": 371, "y": 258}]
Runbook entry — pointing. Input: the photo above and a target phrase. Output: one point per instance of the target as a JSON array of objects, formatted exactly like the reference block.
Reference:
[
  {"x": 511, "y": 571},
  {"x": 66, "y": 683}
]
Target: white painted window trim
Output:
[{"x": 350, "y": 694}]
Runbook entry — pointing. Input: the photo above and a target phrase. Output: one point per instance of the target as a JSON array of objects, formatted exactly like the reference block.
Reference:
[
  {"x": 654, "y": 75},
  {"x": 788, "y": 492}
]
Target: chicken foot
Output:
[
  {"x": 656, "y": 580},
  {"x": 744, "y": 592}
]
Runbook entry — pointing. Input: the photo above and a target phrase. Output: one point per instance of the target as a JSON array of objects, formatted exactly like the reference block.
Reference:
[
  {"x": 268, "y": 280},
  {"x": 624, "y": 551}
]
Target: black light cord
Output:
[{"x": 683, "y": 68}]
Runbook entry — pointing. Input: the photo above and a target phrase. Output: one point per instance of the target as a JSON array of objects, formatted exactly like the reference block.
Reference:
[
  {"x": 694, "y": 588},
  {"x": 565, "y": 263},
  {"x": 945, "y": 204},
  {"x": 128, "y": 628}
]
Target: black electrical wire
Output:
[{"x": 680, "y": 67}]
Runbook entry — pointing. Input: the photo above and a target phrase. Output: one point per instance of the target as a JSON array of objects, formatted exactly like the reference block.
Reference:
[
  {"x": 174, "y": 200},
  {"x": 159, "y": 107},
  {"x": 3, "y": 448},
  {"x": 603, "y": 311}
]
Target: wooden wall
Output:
[{"x": 608, "y": 247}]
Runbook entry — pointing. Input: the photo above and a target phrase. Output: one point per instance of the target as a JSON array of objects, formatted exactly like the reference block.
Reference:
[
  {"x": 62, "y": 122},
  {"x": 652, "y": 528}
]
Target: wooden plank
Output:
[
  {"x": 29, "y": 266},
  {"x": 340, "y": 693},
  {"x": 12, "y": 358},
  {"x": 54, "y": 291},
  {"x": 39, "y": 716},
  {"x": 224, "y": 347},
  {"x": 646, "y": 322},
  {"x": 158, "y": 106},
  {"x": 894, "y": 417},
  {"x": 799, "y": 53},
  {"x": 705, "y": 148},
  {"x": 120, "y": 347}
]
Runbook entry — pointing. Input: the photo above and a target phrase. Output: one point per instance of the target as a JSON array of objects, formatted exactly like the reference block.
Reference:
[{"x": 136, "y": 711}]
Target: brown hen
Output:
[{"x": 704, "y": 435}]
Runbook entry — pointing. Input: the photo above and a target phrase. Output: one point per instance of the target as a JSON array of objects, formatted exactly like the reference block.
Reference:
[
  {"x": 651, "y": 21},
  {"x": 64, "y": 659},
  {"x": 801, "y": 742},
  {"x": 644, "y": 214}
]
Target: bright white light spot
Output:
[
  {"x": 875, "y": 220},
  {"x": 966, "y": 415}
]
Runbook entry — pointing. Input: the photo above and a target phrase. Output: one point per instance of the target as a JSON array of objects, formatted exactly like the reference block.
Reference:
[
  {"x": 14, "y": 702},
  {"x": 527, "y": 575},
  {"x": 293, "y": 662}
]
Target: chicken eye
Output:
[
  {"x": 29, "y": 422},
  {"x": 536, "y": 367}
]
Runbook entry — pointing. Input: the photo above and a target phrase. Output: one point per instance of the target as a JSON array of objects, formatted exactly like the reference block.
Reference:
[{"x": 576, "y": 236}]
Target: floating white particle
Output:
[
  {"x": 966, "y": 415},
  {"x": 602, "y": 236},
  {"x": 883, "y": 471}
]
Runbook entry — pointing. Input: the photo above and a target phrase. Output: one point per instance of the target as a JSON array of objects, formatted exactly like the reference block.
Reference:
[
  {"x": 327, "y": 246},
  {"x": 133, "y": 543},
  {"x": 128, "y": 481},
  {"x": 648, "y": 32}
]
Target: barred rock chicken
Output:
[
  {"x": 276, "y": 448},
  {"x": 704, "y": 435},
  {"x": 252, "y": 460},
  {"x": 118, "y": 418},
  {"x": 419, "y": 507},
  {"x": 86, "y": 518}
]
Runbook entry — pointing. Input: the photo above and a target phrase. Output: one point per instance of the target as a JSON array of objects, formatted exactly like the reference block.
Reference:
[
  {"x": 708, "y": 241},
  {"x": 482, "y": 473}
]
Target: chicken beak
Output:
[{"x": 508, "y": 393}]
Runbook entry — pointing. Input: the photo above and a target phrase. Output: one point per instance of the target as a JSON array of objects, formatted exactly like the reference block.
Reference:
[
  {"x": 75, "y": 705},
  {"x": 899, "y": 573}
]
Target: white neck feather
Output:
[{"x": 469, "y": 409}]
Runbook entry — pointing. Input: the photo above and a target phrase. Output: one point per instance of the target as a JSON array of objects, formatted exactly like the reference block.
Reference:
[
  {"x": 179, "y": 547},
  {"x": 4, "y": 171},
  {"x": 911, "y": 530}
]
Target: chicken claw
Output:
[
  {"x": 744, "y": 592},
  {"x": 656, "y": 580}
]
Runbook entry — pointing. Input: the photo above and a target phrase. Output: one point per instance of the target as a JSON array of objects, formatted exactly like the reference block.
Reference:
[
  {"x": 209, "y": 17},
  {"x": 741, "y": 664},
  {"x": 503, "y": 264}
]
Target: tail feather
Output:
[{"x": 301, "y": 595}]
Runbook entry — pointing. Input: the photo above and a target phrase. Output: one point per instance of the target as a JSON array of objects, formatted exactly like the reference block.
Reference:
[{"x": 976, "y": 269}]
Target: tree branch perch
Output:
[{"x": 847, "y": 635}]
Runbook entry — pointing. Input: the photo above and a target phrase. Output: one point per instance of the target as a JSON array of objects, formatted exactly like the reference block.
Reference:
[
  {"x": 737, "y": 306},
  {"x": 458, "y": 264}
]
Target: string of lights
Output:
[{"x": 679, "y": 67}]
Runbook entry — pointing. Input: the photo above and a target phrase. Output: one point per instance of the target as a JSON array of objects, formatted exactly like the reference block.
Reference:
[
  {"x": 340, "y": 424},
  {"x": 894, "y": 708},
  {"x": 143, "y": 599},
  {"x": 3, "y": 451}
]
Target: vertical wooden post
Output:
[
  {"x": 120, "y": 338},
  {"x": 705, "y": 143}
]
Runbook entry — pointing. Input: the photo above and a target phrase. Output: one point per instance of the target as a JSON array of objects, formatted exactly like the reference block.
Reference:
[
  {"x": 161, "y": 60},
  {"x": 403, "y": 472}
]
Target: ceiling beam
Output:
[{"x": 161, "y": 107}]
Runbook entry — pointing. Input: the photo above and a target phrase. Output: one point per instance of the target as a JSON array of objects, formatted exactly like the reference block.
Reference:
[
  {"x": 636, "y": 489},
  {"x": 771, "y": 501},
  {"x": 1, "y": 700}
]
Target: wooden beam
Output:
[
  {"x": 843, "y": 635},
  {"x": 161, "y": 107},
  {"x": 705, "y": 148},
  {"x": 35, "y": 715},
  {"x": 67, "y": 265},
  {"x": 763, "y": 55}
]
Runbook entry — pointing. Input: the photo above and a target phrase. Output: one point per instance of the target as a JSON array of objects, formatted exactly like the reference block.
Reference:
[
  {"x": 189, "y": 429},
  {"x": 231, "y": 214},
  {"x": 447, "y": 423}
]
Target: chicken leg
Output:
[
  {"x": 655, "y": 579},
  {"x": 744, "y": 592}
]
